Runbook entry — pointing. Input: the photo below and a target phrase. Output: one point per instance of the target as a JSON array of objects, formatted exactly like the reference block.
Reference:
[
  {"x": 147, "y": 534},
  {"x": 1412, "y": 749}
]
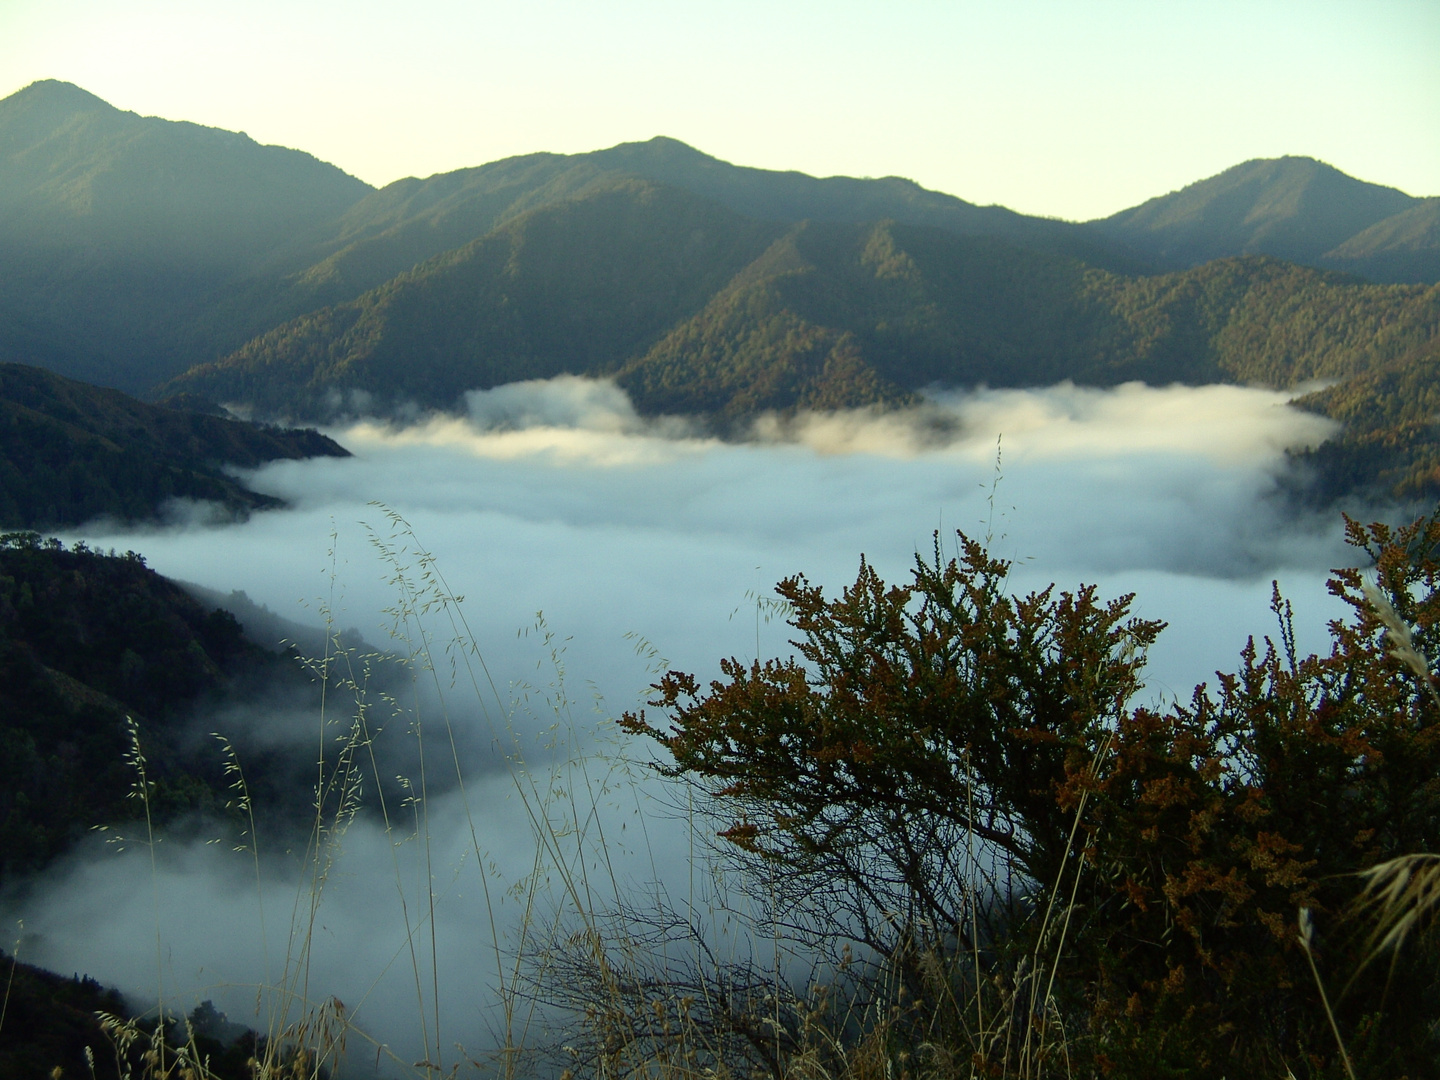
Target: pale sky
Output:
[{"x": 1071, "y": 109}]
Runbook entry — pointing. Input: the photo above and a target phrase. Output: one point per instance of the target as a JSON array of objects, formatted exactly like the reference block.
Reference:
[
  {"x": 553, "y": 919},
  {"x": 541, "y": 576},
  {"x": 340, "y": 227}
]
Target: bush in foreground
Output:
[
  {"x": 1051, "y": 881},
  {"x": 998, "y": 865}
]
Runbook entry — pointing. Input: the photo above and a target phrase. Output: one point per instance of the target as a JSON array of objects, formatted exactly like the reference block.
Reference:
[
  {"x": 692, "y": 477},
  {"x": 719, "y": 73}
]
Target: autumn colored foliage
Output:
[{"x": 1055, "y": 879}]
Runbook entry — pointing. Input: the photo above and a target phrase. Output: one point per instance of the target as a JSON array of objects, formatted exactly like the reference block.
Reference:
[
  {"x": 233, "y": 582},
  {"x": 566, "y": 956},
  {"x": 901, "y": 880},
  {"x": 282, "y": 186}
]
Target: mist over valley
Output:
[
  {"x": 425, "y": 487},
  {"x": 558, "y": 498}
]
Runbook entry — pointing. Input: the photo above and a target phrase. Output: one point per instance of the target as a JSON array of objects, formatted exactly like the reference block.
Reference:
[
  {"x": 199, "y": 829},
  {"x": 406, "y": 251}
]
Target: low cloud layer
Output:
[
  {"x": 1222, "y": 424},
  {"x": 591, "y": 546}
]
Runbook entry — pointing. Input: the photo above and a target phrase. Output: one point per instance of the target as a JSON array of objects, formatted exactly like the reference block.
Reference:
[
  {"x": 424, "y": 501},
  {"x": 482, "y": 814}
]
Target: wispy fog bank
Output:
[
  {"x": 1224, "y": 424},
  {"x": 557, "y": 497}
]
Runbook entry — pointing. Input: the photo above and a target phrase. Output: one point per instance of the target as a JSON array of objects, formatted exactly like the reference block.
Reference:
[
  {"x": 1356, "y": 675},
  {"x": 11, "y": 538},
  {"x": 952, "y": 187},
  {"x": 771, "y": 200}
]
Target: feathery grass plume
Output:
[
  {"x": 312, "y": 1048},
  {"x": 300, "y": 1039},
  {"x": 1403, "y": 646},
  {"x": 1400, "y": 895}
]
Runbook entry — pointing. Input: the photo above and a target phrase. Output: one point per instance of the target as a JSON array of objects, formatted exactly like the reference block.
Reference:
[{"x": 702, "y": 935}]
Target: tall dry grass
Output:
[{"x": 595, "y": 980}]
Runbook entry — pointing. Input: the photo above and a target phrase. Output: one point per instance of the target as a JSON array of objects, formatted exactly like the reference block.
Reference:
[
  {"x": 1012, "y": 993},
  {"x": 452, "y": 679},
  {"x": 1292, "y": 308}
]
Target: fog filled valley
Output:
[
  {"x": 620, "y": 614},
  {"x": 592, "y": 548}
]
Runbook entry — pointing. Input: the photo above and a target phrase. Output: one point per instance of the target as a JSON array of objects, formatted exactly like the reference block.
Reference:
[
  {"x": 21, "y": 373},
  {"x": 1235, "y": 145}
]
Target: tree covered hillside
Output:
[
  {"x": 134, "y": 247},
  {"x": 1293, "y": 208},
  {"x": 578, "y": 286},
  {"x": 696, "y": 309},
  {"x": 71, "y": 452},
  {"x": 115, "y": 229},
  {"x": 902, "y": 308},
  {"x": 1391, "y": 436},
  {"x": 89, "y": 641},
  {"x": 1403, "y": 247},
  {"x": 394, "y": 229}
]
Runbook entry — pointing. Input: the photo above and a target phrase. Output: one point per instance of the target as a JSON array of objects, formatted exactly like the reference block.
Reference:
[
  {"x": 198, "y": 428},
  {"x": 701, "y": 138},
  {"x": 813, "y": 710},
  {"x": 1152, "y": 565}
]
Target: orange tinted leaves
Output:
[{"x": 1166, "y": 791}]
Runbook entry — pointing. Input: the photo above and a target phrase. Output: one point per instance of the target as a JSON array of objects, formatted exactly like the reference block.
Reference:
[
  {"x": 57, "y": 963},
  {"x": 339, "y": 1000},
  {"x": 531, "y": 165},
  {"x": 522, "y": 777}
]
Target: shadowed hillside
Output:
[
  {"x": 89, "y": 641},
  {"x": 578, "y": 286},
  {"x": 1402, "y": 247},
  {"x": 115, "y": 227},
  {"x": 412, "y": 220},
  {"x": 70, "y": 452},
  {"x": 699, "y": 310},
  {"x": 1391, "y": 436}
]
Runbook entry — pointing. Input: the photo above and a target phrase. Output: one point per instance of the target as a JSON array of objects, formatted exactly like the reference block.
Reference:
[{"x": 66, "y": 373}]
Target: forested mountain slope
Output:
[
  {"x": 70, "y": 452},
  {"x": 697, "y": 309},
  {"x": 1391, "y": 436},
  {"x": 87, "y": 640},
  {"x": 75, "y": 170},
  {"x": 1293, "y": 208},
  {"x": 116, "y": 228},
  {"x": 412, "y": 220},
  {"x": 1402, "y": 247},
  {"x": 133, "y": 249},
  {"x": 907, "y": 308},
  {"x": 576, "y": 286}
]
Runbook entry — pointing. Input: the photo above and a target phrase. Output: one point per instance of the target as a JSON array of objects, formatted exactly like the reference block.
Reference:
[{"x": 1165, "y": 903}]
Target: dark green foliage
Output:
[
  {"x": 575, "y": 287},
  {"x": 50, "y": 1020},
  {"x": 412, "y": 220},
  {"x": 1390, "y": 444},
  {"x": 923, "y": 308},
  {"x": 70, "y": 453},
  {"x": 842, "y": 316},
  {"x": 1259, "y": 320},
  {"x": 1403, "y": 247},
  {"x": 943, "y": 737},
  {"x": 697, "y": 310},
  {"x": 135, "y": 247},
  {"x": 87, "y": 643}
]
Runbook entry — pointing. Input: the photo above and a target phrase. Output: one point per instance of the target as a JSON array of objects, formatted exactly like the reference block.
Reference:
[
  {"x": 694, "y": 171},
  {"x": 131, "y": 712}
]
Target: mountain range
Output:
[
  {"x": 191, "y": 265},
  {"x": 696, "y": 309},
  {"x": 165, "y": 258}
]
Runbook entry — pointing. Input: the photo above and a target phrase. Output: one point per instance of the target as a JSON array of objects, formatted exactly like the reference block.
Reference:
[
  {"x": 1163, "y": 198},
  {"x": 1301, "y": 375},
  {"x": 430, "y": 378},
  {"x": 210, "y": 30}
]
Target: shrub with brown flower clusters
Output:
[{"x": 1054, "y": 881}]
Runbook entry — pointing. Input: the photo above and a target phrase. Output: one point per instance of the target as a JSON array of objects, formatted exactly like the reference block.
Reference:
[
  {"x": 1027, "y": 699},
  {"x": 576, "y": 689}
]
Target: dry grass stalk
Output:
[
  {"x": 1307, "y": 943},
  {"x": 1400, "y": 895},
  {"x": 1403, "y": 646}
]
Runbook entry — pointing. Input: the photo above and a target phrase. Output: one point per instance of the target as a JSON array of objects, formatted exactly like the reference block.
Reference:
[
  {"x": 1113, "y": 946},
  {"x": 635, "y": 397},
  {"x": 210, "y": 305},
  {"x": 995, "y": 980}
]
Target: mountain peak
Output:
[
  {"x": 1289, "y": 167},
  {"x": 55, "y": 94},
  {"x": 1295, "y": 208},
  {"x": 1284, "y": 161},
  {"x": 662, "y": 150},
  {"x": 668, "y": 144}
]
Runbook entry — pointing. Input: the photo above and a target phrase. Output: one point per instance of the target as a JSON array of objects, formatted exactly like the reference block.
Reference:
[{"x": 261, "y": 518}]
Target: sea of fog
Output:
[{"x": 592, "y": 547}]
